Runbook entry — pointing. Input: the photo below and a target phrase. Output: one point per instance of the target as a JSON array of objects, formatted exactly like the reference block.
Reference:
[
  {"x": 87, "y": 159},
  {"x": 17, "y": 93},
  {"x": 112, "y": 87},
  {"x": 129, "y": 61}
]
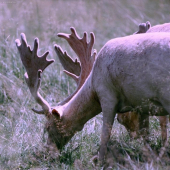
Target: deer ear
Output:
[
  {"x": 56, "y": 114},
  {"x": 148, "y": 24}
]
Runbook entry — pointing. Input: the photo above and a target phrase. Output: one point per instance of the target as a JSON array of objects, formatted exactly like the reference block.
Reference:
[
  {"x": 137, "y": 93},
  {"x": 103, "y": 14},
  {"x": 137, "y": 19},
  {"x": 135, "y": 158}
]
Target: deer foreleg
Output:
[{"x": 109, "y": 112}]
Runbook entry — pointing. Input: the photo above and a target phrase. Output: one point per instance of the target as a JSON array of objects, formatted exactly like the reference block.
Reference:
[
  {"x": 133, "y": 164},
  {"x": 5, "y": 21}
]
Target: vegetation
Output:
[{"x": 22, "y": 136}]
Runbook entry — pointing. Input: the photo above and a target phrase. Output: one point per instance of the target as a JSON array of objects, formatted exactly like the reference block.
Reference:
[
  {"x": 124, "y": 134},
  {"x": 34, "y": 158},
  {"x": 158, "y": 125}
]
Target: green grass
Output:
[{"x": 22, "y": 136}]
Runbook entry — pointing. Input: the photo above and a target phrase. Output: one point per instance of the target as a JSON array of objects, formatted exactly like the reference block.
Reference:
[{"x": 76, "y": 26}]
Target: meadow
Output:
[{"x": 22, "y": 135}]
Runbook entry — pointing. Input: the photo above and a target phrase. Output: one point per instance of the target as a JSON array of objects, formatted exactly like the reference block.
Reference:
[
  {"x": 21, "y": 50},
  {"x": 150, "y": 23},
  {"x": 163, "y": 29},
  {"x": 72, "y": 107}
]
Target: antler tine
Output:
[
  {"x": 72, "y": 68},
  {"x": 91, "y": 43},
  {"x": 34, "y": 66}
]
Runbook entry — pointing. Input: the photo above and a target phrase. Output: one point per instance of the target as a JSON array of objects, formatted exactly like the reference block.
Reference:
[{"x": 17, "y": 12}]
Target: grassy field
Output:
[{"x": 22, "y": 136}]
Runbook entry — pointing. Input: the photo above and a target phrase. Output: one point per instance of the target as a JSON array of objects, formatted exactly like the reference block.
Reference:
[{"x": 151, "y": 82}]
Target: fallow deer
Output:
[{"x": 129, "y": 72}]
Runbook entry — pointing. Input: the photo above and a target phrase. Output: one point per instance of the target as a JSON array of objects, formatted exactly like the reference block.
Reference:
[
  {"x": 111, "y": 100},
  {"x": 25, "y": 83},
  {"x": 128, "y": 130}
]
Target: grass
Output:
[{"x": 22, "y": 136}]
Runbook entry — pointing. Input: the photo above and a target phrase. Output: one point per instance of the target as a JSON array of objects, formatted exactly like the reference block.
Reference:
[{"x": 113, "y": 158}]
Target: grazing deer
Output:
[
  {"x": 133, "y": 121},
  {"x": 129, "y": 72}
]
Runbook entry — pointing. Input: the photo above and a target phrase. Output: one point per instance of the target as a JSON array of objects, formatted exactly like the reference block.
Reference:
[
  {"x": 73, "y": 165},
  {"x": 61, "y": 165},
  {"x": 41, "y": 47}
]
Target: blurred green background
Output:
[{"x": 22, "y": 137}]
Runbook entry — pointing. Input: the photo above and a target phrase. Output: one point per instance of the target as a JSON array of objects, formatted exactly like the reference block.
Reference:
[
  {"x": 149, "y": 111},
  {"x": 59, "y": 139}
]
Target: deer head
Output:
[
  {"x": 57, "y": 127},
  {"x": 131, "y": 122}
]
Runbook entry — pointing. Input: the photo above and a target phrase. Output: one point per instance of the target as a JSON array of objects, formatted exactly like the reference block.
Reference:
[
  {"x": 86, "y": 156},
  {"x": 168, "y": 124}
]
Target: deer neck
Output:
[{"x": 82, "y": 107}]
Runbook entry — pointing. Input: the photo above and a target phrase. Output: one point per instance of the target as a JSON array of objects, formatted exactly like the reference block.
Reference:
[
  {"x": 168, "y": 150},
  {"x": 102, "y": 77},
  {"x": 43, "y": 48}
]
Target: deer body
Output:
[
  {"x": 159, "y": 28},
  {"x": 133, "y": 69},
  {"x": 132, "y": 72}
]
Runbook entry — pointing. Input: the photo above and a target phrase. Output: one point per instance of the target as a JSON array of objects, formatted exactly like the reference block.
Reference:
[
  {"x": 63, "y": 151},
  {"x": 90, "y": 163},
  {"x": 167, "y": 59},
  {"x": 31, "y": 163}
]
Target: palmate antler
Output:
[
  {"x": 78, "y": 71},
  {"x": 34, "y": 66}
]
